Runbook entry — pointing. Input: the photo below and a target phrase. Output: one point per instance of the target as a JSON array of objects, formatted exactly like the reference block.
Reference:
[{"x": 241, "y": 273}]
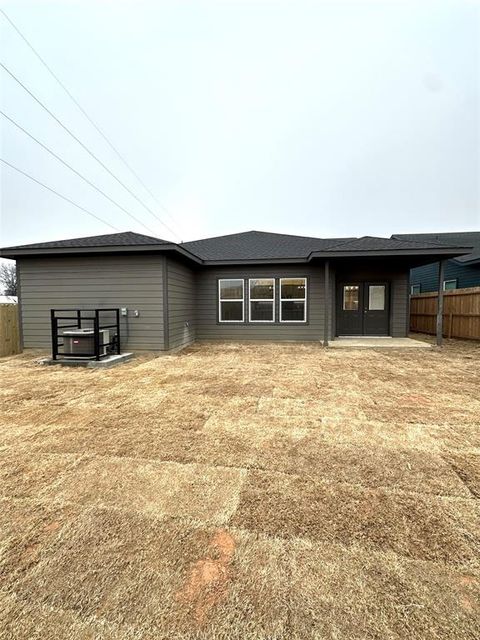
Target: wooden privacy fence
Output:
[
  {"x": 9, "y": 330},
  {"x": 461, "y": 313}
]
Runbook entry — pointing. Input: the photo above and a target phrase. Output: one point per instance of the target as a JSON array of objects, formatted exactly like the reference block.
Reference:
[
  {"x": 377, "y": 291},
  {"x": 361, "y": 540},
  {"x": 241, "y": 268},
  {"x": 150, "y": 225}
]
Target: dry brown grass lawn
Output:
[{"x": 263, "y": 492}]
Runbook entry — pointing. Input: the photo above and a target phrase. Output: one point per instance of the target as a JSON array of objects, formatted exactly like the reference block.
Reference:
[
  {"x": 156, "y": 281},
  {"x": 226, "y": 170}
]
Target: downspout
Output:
[
  {"x": 19, "y": 307},
  {"x": 166, "y": 326},
  {"x": 326, "y": 315}
]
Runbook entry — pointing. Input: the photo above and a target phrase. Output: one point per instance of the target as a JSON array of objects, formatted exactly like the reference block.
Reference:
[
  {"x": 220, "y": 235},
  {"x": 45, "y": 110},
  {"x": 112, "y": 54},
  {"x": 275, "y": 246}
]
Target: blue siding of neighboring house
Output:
[{"x": 427, "y": 276}]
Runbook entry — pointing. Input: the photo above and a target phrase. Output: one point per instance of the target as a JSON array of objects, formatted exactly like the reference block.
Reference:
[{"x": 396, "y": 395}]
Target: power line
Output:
[
  {"x": 27, "y": 175},
  {"x": 65, "y": 128},
  {"x": 91, "y": 184},
  {"x": 92, "y": 122}
]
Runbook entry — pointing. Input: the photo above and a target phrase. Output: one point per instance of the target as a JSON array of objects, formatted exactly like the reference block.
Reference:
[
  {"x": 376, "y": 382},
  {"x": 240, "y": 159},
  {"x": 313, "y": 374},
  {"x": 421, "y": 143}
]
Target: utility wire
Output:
[
  {"x": 82, "y": 110},
  {"x": 65, "y": 128},
  {"x": 27, "y": 175},
  {"x": 75, "y": 171}
]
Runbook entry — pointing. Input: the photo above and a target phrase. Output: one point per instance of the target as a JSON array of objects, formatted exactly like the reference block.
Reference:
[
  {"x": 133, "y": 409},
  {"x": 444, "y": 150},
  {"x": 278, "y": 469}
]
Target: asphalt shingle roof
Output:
[
  {"x": 252, "y": 246},
  {"x": 372, "y": 243},
  {"x": 458, "y": 239},
  {"x": 124, "y": 239},
  {"x": 258, "y": 245}
]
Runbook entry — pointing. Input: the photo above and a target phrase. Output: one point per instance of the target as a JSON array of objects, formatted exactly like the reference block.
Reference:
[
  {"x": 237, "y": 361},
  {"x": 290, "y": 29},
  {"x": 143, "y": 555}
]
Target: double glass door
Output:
[{"x": 363, "y": 309}]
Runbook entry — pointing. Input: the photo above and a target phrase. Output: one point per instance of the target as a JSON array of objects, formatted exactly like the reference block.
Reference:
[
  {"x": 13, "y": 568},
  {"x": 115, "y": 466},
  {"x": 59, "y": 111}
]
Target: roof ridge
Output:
[
  {"x": 243, "y": 233},
  {"x": 348, "y": 241}
]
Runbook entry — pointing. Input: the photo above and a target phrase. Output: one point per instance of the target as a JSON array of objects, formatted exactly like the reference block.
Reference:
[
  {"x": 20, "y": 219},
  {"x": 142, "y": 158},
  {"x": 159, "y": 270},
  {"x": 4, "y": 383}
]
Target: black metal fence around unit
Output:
[{"x": 95, "y": 333}]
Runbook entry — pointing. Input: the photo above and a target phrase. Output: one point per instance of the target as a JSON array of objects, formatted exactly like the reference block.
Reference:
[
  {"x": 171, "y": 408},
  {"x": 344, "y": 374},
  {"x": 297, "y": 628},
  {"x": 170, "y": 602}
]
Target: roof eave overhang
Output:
[
  {"x": 391, "y": 253},
  {"x": 13, "y": 254},
  {"x": 226, "y": 263}
]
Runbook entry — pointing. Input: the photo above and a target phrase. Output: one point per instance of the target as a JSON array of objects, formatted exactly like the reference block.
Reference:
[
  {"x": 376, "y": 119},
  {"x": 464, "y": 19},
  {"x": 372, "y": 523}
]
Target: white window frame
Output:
[
  {"x": 304, "y": 300},
  {"x": 220, "y": 300},
  {"x": 412, "y": 286},
  {"x": 250, "y": 300},
  {"x": 455, "y": 280}
]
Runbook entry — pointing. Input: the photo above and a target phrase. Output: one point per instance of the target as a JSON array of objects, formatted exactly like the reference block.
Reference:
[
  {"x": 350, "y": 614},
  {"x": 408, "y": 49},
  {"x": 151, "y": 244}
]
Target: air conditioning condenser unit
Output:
[{"x": 81, "y": 342}]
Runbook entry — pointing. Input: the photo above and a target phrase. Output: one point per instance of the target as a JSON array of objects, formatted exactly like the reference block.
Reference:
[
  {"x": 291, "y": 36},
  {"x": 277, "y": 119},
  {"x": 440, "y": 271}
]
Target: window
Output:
[
  {"x": 415, "y": 289},
  {"x": 376, "y": 297},
  {"x": 262, "y": 299},
  {"x": 449, "y": 284},
  {"x": 293, "y": 299},
  {"x": 350, "y": 297},
  {"x": 230, "y": 300}
]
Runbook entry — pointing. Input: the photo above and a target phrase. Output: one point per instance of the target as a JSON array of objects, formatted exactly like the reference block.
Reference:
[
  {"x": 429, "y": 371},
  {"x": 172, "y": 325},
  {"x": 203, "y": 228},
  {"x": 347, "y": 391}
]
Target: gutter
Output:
[
  {"x": 392, "y": 253},
  {"x": 13, "y": 253}
]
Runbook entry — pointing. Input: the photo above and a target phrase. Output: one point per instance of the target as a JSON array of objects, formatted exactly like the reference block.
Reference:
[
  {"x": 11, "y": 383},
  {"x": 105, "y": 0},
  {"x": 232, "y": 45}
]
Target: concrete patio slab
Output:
[
  {"x": 387, "y": 342},
  {"x": 104, "y": 363}
]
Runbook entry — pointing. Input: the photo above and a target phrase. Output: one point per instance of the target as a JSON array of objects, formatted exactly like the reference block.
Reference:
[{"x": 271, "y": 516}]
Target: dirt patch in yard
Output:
[
  {"x": 242, "y": 491},
  {"x": 207, "y": 582}
]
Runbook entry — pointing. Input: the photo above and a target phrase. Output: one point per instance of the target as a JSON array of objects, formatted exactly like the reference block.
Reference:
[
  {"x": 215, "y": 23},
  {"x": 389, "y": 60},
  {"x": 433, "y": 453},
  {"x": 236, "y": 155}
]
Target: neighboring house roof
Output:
[
  {"x": 250, "y": 246},
  {"x": 464, "y": 238}
]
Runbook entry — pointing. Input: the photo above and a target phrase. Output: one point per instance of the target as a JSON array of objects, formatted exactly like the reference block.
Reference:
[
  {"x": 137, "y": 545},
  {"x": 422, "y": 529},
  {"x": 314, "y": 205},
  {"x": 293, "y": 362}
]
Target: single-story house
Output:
[
  {"x": 460, "y": 272},
  {"x": 244, "y": 286}
]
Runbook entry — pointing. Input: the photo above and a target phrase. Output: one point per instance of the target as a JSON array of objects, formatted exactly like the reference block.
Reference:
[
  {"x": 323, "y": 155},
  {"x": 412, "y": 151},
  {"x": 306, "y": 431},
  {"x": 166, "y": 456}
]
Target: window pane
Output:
[
  {"x": 449, "y": 284},
  {"x": 262, "y": 288},
  {"x": 261, "y": 311},
  {"x": 350, "y": 297},
  {"x": 415, "y": 289},
  {"x": 231, "y": 311},
  {"x": 293, "y": 288},
  {"x": 293, "y": 311},
  {"x": 376, "y": 297},
  {"x": 231, "y": 289}
]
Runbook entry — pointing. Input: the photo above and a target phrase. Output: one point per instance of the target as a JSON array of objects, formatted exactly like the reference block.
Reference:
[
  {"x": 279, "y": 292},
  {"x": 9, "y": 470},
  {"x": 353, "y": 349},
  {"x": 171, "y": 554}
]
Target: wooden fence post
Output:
[{"x": 441, "y": 273}]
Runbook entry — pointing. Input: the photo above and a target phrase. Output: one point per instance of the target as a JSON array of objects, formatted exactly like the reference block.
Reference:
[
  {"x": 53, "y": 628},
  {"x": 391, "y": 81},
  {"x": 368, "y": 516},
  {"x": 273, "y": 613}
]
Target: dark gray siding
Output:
[
  {"x": 332, "y": 307},
  {"x": 132, "y": 281},
  {"x": 181, "y": 304},
  {"x": 399, "y": 304},
  {"x": 427, "y": 276},
  {"x": 208, "y": 327}
]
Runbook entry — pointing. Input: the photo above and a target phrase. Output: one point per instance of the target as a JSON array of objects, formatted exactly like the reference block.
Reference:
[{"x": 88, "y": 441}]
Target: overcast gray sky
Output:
[{"x": 310, "y": 118}]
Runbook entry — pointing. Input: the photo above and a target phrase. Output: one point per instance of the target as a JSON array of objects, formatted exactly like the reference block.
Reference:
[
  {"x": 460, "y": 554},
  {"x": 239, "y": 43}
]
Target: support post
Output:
[
  {"x": 441, "y": 277},
  {"x": 327, "y": 304}
]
